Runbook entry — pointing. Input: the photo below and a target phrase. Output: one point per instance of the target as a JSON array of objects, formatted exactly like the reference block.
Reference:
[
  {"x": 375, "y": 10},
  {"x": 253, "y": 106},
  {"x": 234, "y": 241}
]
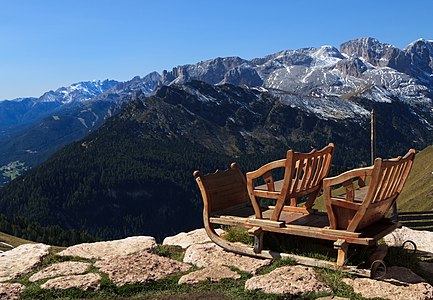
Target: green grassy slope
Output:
[
  {"x": 11, "y": 240},
  {"x": 417, "y": 194}
]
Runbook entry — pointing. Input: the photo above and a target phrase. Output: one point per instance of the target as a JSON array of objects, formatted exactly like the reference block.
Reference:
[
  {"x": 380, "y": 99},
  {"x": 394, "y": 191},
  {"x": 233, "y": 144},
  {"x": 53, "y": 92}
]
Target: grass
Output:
[
  {"x": 11, "y": 240},
  {"x": 418, "y": 190},
  {"x": 16, "y": 241},
  {"x": 238, "y": 234},
  {"x": 170, "y": 251}
]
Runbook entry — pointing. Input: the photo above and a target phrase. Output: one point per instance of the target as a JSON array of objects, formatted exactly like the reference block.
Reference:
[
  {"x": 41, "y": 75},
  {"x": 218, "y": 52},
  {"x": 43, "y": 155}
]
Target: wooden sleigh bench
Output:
[{"x": 356, "y": 217}]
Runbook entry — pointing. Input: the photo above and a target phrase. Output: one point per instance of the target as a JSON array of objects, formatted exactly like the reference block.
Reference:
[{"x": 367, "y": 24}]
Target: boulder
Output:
[
  {"x": 11, "y": 291},
  {"x": 211, "y": 255},
  {"x": 21, "y": 260},
  {"x": 422, "y": 239},
  {"x": 61, "y": 269},
  {"x": 186, "y": 239},
  {"x": 139, "y": 267},
  {"x": 91, "y": 281},
  {"x": 100, "y": 250},
  {"x": 399, "y": 283},
  {"x": 288, "y": 280},
  {"x": 212, "y": 274}
]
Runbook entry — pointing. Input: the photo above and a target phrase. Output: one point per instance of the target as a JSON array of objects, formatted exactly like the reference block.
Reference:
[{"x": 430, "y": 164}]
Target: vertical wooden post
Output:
[
  {"x": 373, "y": 136},
  {"x": 394, "y": 213}
]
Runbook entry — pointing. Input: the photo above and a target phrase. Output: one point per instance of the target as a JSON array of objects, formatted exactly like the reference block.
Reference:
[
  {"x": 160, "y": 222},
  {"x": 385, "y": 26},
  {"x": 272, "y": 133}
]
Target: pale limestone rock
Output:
[
  {"x": 11, "y": 291},
  {"x": 422, "y": 239},
  {"x": 91, "y": 281},
  {"x": 186, "y": 239},
  {"x": 212, "y": 274},
  {"x": 61, "y": 269},
  {"x": 211, "y": 255},
  {"x": 288, "y": 280},
  {"x": 139, "y": 267},
  {"x": 100, "y": 250},
  {"x": 21, "y": 260},
  {"x": 399, "y": 283}
]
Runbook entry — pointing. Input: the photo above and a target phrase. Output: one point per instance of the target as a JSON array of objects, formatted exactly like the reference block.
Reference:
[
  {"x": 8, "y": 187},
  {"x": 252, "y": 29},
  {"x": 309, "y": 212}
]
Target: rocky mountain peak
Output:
[
  {"x": 78, "y": 92},
  {"x": 370, "y": 49},
  {"x": 420, "y": 56}
]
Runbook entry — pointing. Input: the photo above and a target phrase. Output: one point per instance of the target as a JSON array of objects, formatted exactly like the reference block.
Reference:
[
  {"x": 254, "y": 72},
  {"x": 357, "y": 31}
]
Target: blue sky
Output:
[{"x": 48, "y": 44}]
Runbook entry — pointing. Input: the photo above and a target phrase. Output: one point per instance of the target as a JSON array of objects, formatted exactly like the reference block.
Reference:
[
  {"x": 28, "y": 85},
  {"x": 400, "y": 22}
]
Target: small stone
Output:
[
  {"x": 84, "y": 282},
  {"x": 211, "y": 255},
  {"x": 11, "y": 291},
  {"x": 399, "y": 283},
  {"x": 61, "y": 269},
  {"x": 139, "y": 267},
  {"x": 100, "y": 250},
  {"x": 288, "y": 280},
  {"x": 212, "y": 274},
  {"x": 21, "y": 260},
  {"x": 186, "y": 239}
]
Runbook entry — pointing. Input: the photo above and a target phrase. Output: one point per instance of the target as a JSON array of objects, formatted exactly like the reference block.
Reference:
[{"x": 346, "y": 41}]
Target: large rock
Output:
[
  {"x": 91, "y": 281},
  {"x": 21, "y": 260},
  {"x": 139, "y": 267},
  {"x": 289, "y": 280},
  {"x": 211, "y": 255},
  {"x": 212, "y": 274},
  {"x": 186, "y": 239},
  {"x": 11, "y": 291},
  {"x": 61, "y": 269},
  {"x": 100, "y": 250},
  {"x": 400, "y": 283},
  {"x": 422, "y": 239}
]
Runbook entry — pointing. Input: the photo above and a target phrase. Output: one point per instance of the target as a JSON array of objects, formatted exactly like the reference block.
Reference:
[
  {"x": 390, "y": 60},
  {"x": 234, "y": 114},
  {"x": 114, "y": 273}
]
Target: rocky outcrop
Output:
[
  {"x": 21, "y": 260},
  {"x": 11, "y": 291},
  {"x": 289, "y": 280},
  {"x": 376, "y": 53},
  {"x": 243, "y": 75},
  {"x": 400, "y": 283},
  {"x": 212, "y": 274},
  {"x": 186, "y": 239},
  {"x": 100, "y": 250},
  {"x": 211, "y": 255},
  {"x": 139, "y": 267},
  {"x": 422, "y": 239},
  {"x": 84, "y": 282},
  {"x": 61, "y": 269},
  {"x": 351, "y": 67}
]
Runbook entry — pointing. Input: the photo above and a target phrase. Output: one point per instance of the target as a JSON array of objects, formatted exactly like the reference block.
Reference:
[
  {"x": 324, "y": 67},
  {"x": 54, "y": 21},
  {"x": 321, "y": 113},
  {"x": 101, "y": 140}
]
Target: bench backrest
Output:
[
  {"x": 222, "y": 190},
  {"x": 305, "y": 171},
  {"x": 387, "y": 180}
]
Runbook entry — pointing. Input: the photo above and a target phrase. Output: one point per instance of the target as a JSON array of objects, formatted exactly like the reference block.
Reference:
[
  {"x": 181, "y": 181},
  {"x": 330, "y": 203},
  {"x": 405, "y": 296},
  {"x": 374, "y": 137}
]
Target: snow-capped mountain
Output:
[
  {"x": 78, "y": 92},
  {"x": 362, "y": 68}
]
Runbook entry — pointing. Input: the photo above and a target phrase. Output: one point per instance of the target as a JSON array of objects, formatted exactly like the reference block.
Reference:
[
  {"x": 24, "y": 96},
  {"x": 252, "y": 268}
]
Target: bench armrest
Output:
[{"x": 346, "y": 176}]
